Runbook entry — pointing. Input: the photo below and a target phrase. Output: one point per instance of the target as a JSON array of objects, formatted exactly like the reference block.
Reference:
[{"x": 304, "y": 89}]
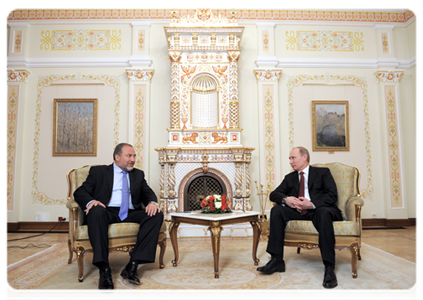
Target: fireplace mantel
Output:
[{"x": 178, "y": 165}]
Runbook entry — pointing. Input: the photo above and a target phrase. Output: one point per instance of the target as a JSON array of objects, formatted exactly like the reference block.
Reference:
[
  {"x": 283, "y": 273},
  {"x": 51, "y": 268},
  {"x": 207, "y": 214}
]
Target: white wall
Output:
[{"x": 112, "y": 64}]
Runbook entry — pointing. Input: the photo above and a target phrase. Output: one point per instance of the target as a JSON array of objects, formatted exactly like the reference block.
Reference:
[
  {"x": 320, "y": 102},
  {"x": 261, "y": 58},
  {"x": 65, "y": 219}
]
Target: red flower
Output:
[{"x": 204, "y": 203}]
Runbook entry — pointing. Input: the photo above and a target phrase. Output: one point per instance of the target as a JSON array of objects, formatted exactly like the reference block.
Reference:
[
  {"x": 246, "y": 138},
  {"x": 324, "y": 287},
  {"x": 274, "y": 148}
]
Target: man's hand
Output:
[
  {"x": 152, "y": 209},
  {"x": 305, "y": 203},
  {"x": 301, "y": 204},
  {"x": 94, "y": 203}
]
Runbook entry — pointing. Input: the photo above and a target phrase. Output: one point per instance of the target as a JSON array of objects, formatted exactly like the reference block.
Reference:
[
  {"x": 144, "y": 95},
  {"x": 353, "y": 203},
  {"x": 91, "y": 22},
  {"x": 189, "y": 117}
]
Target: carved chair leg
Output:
[
  {"x": 354, "y": 255},
  {"x": 80, "y": 253},
  {"x": 359, "y": 253},
  {"x": 70, "y": 251},
  {"x": 162, "y": 244},
  {"x": 298, "y": 250}
]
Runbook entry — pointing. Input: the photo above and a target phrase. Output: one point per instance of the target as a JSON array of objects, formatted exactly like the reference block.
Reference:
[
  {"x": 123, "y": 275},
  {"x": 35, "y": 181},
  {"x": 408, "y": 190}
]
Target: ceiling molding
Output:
[{"x": 253, "y": 15}]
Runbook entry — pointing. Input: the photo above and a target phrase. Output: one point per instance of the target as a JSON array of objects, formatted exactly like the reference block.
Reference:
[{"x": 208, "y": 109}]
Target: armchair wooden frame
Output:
[
  {"x": 79, "y": 243},
  {"x": 350, "y": 240}
]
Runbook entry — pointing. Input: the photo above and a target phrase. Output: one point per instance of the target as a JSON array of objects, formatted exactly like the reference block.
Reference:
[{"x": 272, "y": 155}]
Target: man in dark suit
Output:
[
  {"x": 113, "y": 194},
  {"x": 307, "y": 193}
]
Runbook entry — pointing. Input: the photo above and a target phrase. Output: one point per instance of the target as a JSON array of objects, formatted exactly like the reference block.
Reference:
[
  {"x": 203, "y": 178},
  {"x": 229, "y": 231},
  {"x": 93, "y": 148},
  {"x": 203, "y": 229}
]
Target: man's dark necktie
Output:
[{"x": 301, "y": 193}]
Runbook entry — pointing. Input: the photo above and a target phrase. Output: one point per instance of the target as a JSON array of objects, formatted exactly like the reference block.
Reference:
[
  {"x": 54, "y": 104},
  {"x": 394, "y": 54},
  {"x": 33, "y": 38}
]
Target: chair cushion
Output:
[
  {"x": 115, "y": 230},
  {"x": 342, "y": 228}
]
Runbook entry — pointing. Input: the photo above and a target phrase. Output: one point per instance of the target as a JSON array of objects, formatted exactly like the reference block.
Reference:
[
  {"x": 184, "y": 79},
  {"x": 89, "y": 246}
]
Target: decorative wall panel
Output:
[
  {"x": 324, "y": 40},
  {"x": 17, "y": 41},
  {"x": 270, "y": 130},
  {"x": 81, "y": 39},
  {"x": 265, "y": 40},
  {"x": 12, "y": 123},
  {"x": 360, "y": 82},
  {"x": 139, "y": 124},
  {"x": 141, "y": 40},
  {"x": 394, "y": 146},
  {"x": 46, "y": 81},
  {"x": 385, "y": 42}
]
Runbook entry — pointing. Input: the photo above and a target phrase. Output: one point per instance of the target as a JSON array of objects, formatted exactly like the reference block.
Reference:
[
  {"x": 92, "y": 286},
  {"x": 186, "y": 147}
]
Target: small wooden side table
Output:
[{"x": 215, "y": 223}]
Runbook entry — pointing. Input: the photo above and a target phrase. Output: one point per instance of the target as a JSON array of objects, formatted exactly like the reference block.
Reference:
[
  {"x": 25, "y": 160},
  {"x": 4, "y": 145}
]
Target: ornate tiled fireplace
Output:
[{"x": 204, "y": 154}]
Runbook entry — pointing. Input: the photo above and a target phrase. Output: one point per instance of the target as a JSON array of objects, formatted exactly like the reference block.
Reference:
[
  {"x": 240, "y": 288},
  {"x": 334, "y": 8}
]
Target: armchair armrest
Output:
[
  {"x": 72, "y": 204},
  {"x": 353, "y": 208},
  {"x": 76, "y": 216}
]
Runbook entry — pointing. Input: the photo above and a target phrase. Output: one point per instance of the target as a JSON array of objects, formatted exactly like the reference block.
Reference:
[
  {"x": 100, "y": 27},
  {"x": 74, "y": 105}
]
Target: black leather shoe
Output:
[
  {"x": 329, "y": 281},
  {"x": 130, "y": 273},
  {"x": 274, "y": 265},
  {"x": 105, "y": 282}
]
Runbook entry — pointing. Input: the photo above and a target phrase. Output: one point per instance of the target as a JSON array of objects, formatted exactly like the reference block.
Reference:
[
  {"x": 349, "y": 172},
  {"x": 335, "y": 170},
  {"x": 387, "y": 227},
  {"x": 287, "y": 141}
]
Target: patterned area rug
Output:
[{"x": 377, "y": 269}]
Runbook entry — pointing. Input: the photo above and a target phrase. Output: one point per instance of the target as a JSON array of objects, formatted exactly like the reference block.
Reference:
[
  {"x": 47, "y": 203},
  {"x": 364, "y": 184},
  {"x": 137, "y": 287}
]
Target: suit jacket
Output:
[
  {"x": 99, "y": 186},
  {"x": 321, "y": 187}
]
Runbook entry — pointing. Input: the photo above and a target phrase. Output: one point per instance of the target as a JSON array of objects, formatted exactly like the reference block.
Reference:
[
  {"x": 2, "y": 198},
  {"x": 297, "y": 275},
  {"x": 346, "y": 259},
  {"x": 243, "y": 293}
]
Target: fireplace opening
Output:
[{"x": 199, "y": 187}]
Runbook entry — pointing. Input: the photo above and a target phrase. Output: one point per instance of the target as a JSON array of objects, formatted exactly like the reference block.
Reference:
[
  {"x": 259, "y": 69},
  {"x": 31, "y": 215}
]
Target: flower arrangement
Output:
[{"x": 216, "y": 204}]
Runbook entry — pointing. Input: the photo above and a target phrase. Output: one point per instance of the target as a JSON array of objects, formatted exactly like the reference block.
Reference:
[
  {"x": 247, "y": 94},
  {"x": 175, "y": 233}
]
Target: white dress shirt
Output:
[{"x": 116, "y": 199}]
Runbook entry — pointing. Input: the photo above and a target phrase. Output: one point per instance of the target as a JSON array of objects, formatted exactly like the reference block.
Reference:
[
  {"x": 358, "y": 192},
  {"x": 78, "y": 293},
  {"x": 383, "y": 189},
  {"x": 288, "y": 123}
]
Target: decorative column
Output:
[
  {"x": 242, "y": 193},
  {"x": 168, "y": 195},
  {"x": 175, "y": 105},
  {"x": 389, "y": 81},
  {"x": 15, "y": 92},
  {"x": 267, "y": 80},
  {"x": 139, "y": 106},
  {"x": 233, "y": 57}
]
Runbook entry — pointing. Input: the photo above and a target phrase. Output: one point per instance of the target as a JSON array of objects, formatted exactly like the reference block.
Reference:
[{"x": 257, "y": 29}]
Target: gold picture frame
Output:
[
  {"x": 330, "y": 126},
  {"x": 75, "y": 127}
]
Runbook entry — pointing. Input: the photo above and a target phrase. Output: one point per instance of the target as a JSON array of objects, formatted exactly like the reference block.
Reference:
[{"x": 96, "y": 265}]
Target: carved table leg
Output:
[
  {"x": 256, "y": 238},
  {"x": 215, "y": 230},
  {"x": 173, "y": 232}
]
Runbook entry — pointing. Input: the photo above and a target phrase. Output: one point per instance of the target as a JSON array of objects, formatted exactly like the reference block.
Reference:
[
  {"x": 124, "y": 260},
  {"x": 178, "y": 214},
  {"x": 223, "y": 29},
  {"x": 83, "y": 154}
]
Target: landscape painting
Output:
[
  {"x": 330, "y": 126},
  {"x": 75, "y": 127}
]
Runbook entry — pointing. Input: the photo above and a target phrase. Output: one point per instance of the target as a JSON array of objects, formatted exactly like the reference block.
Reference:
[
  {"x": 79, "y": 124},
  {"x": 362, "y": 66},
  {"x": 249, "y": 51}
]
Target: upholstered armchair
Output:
[
  {"x": 122, "y": 236},
  {"x": 302, "y": 234}
]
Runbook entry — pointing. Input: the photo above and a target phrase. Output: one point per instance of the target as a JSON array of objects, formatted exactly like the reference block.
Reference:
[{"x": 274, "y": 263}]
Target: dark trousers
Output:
[
  {"x": 322, "y": 219},
  {"x": 98, "y": 220}
]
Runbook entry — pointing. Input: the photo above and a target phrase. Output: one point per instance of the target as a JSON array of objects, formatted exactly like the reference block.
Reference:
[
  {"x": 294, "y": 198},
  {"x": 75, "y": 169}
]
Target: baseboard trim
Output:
[
  {"x": 388, "y": 222},
  {"x": 64, "y": 226},
  {"x": 38, "y": 226}
]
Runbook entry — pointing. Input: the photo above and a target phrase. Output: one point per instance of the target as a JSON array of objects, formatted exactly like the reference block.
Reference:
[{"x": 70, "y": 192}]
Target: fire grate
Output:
[{"x": 201, "y": 187}]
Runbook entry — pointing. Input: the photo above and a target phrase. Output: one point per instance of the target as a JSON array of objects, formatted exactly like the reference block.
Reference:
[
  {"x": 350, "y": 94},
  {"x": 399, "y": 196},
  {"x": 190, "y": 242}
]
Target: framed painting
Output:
[
  {"x": 75, "y": 127},
  {"x": 330, "y": 122}
]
